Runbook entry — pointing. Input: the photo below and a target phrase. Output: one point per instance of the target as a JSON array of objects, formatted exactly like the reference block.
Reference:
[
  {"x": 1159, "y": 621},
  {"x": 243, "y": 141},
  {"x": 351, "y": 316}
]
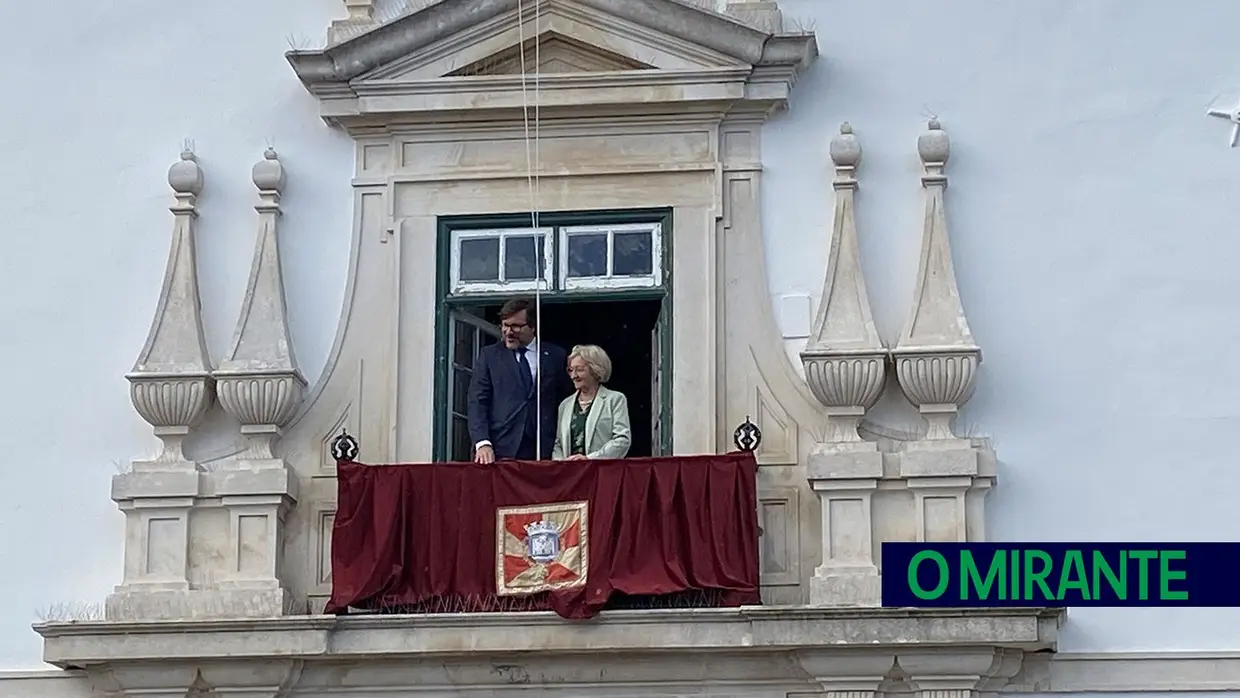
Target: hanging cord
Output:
[{"x": 531, "y": 177}]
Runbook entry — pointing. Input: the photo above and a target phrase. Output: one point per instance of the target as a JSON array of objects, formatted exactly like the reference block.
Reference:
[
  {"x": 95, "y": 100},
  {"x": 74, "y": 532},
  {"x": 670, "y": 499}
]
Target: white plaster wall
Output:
[
  {"x": 1093, "y": 211},
  {"x": 99, "y": 99},
  {"x": 1088, "y": 204}
]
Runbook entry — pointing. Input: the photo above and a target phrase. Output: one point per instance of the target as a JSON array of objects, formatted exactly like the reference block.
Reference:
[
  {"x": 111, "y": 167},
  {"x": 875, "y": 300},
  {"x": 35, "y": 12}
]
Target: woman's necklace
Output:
[{"x": 583, "y": 401}]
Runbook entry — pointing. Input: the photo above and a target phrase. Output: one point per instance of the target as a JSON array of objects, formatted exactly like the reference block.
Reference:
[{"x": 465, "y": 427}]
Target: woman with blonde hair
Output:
[{"x": 594, "y": 421}]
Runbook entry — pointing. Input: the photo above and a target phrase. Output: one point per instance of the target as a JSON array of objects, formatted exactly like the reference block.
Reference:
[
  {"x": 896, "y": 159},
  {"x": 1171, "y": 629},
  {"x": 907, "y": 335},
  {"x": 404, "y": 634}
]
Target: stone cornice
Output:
[
  {"x": 1065, "y": 672},
  {"x": 725, "y": 66},
  {"x": 750, "y": 630},
  {"x": 388, "y": 42}
]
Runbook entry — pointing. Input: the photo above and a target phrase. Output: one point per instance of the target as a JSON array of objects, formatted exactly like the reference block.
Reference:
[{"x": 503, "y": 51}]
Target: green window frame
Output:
[{"x": 452, "y": 299}]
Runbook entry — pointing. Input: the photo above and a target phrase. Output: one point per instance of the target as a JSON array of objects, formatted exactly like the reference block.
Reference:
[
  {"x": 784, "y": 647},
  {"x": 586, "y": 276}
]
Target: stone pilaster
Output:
[
  {"x": 260, "y": 385},
  {"x": 171, "y": 388},
  {"x": 845, "y": 366},
  {"x": 937, "y": 363}
]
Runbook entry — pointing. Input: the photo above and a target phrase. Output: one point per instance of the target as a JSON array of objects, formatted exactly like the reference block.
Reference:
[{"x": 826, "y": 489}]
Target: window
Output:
[
  {"x": 468, "y": 334},
  {"x": 589, "y": 266},
  {"x": 567, "y": 258},
  {"x": 513, "y": 259},
  {"x": 610, "y": 256}
]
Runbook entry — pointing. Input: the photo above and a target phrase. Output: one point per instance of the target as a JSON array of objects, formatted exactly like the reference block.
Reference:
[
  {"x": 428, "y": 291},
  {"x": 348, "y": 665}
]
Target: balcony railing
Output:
[{"x": 576, "y": 537}]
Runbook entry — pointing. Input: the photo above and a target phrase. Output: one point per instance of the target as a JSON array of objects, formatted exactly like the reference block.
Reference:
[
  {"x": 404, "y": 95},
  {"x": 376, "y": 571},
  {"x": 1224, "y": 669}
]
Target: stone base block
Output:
[
  {"x": 845, "y": 465},
  {"x": 126, "y": 605},
  {"x": 836, "y": 589},
  {"x": 948, "y": 458},
  {"x": 244, "y": 482}
]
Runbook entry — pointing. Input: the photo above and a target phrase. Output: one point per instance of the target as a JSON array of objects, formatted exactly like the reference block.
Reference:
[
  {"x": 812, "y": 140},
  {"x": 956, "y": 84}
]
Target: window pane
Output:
[
  {"x": 463, "y": 344},
  {"x": 523, "y": 257},
  {"x": 480, "y": 259},
  {"x": 587, "y": 255},
  {"x": 460, "y": 390},
  {"x": 633, "y": 254},
  {"x": 462, "y": 448}
]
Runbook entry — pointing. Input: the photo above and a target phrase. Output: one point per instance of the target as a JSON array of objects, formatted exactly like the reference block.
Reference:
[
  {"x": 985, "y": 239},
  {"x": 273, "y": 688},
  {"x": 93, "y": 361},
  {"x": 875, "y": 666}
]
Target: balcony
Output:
[
  {"x": 576, "y": 537},
  {"x": 429, "y": 606}
]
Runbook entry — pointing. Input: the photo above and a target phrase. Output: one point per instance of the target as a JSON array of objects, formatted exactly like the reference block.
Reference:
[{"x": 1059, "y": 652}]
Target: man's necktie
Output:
[{"x": 527, "y": 378}]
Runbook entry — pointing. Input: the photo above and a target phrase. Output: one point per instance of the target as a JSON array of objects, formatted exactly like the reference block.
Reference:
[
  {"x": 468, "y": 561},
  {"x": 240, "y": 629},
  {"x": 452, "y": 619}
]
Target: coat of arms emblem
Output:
[
  {"x": 541, "y": 548},
  {"x": 542, "y": 541}
]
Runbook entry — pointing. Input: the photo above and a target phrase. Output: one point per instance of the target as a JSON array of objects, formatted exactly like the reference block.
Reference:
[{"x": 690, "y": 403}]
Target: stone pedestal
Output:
[
  {"x": 157, "y": 507},
  {"x": 844, "y": 476},
  {"x": 948, "y": 479},
  {"x": 939, "y": 474},
  {"x": 257, "y": 501},
  {"x": 259, "y": 384}
]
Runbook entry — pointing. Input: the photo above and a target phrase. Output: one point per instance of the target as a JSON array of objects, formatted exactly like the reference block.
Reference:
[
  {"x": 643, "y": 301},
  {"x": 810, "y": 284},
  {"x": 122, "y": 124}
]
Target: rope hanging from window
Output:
[{"x": 532, "y": 167}]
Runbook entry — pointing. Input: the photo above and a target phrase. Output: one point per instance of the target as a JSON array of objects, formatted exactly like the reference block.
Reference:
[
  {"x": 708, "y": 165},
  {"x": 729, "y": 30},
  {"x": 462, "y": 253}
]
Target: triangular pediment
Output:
[
  {"x": 465, "y": 55},
  {"x": 552, "y": 54},
  {"x": 573, "y": 36}
]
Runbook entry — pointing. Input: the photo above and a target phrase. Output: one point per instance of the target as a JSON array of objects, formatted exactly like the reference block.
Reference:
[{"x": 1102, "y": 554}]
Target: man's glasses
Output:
[{"x": 515, "y": 328}]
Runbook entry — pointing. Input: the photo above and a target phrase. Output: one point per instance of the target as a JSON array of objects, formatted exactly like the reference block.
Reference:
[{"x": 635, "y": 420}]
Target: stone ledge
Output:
[
  {"x": 1094, "y": 672},
  {"x": 753, "y": 630},
  {"x": 1129, "y": 672}
]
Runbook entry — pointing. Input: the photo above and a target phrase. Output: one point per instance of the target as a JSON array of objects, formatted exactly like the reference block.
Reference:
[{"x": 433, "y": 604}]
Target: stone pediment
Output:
[
  {"x": 552, "y": 54},
  {"x": 466, "y": 55}
]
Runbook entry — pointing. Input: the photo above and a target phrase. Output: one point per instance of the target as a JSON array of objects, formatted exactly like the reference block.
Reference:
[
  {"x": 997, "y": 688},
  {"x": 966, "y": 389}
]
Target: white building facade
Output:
[{"x": 767, "y": 188}]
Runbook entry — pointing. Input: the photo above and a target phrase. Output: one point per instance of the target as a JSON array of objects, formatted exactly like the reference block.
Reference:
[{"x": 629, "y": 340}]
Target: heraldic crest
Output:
[{"x": 543, "y": 547}]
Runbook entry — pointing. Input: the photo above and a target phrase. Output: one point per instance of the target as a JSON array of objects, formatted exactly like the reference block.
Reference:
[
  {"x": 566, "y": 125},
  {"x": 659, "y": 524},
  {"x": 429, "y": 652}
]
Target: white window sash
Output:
[
  {"x": 459, "y": 287},
  {"x": 651, "y": 280}
]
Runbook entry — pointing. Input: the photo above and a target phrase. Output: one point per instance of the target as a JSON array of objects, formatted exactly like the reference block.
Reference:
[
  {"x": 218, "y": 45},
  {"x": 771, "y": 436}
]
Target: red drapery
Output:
[{"x": 564, "y": 535}]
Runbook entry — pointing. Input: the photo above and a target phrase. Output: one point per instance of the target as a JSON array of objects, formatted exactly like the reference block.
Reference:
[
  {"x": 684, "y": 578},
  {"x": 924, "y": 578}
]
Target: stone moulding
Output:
[
  {"x": 1041, "y": 672},
  {"x": 803, "y": 649},
  {"x": 402, "y": 69}
]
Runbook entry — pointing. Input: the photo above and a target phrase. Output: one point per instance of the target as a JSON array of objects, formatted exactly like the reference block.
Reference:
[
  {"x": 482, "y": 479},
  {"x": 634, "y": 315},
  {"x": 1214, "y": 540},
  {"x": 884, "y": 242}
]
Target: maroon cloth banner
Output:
[{"x": 525, "y": 535}]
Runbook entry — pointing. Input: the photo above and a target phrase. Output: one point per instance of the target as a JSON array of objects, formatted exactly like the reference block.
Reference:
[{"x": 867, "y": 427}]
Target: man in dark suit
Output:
[{"x": 506, "y": 415}]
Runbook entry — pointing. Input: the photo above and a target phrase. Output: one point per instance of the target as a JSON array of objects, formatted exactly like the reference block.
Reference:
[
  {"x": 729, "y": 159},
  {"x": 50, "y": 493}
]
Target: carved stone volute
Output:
[
  {"x": 259, "y": 383},
  {"x": 170, "y": 384},
  {"x": 936, "y": 358}
]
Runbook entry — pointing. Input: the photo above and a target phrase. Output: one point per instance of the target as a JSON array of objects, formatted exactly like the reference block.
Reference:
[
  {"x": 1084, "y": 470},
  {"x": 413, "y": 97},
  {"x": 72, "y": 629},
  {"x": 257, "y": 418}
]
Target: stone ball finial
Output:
[
  {"x": 269, "y": 173},
  {"x": 934, "y": 145},
  {"x": 185, "y": 177},
  {"x": 845, "y": 151}
]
